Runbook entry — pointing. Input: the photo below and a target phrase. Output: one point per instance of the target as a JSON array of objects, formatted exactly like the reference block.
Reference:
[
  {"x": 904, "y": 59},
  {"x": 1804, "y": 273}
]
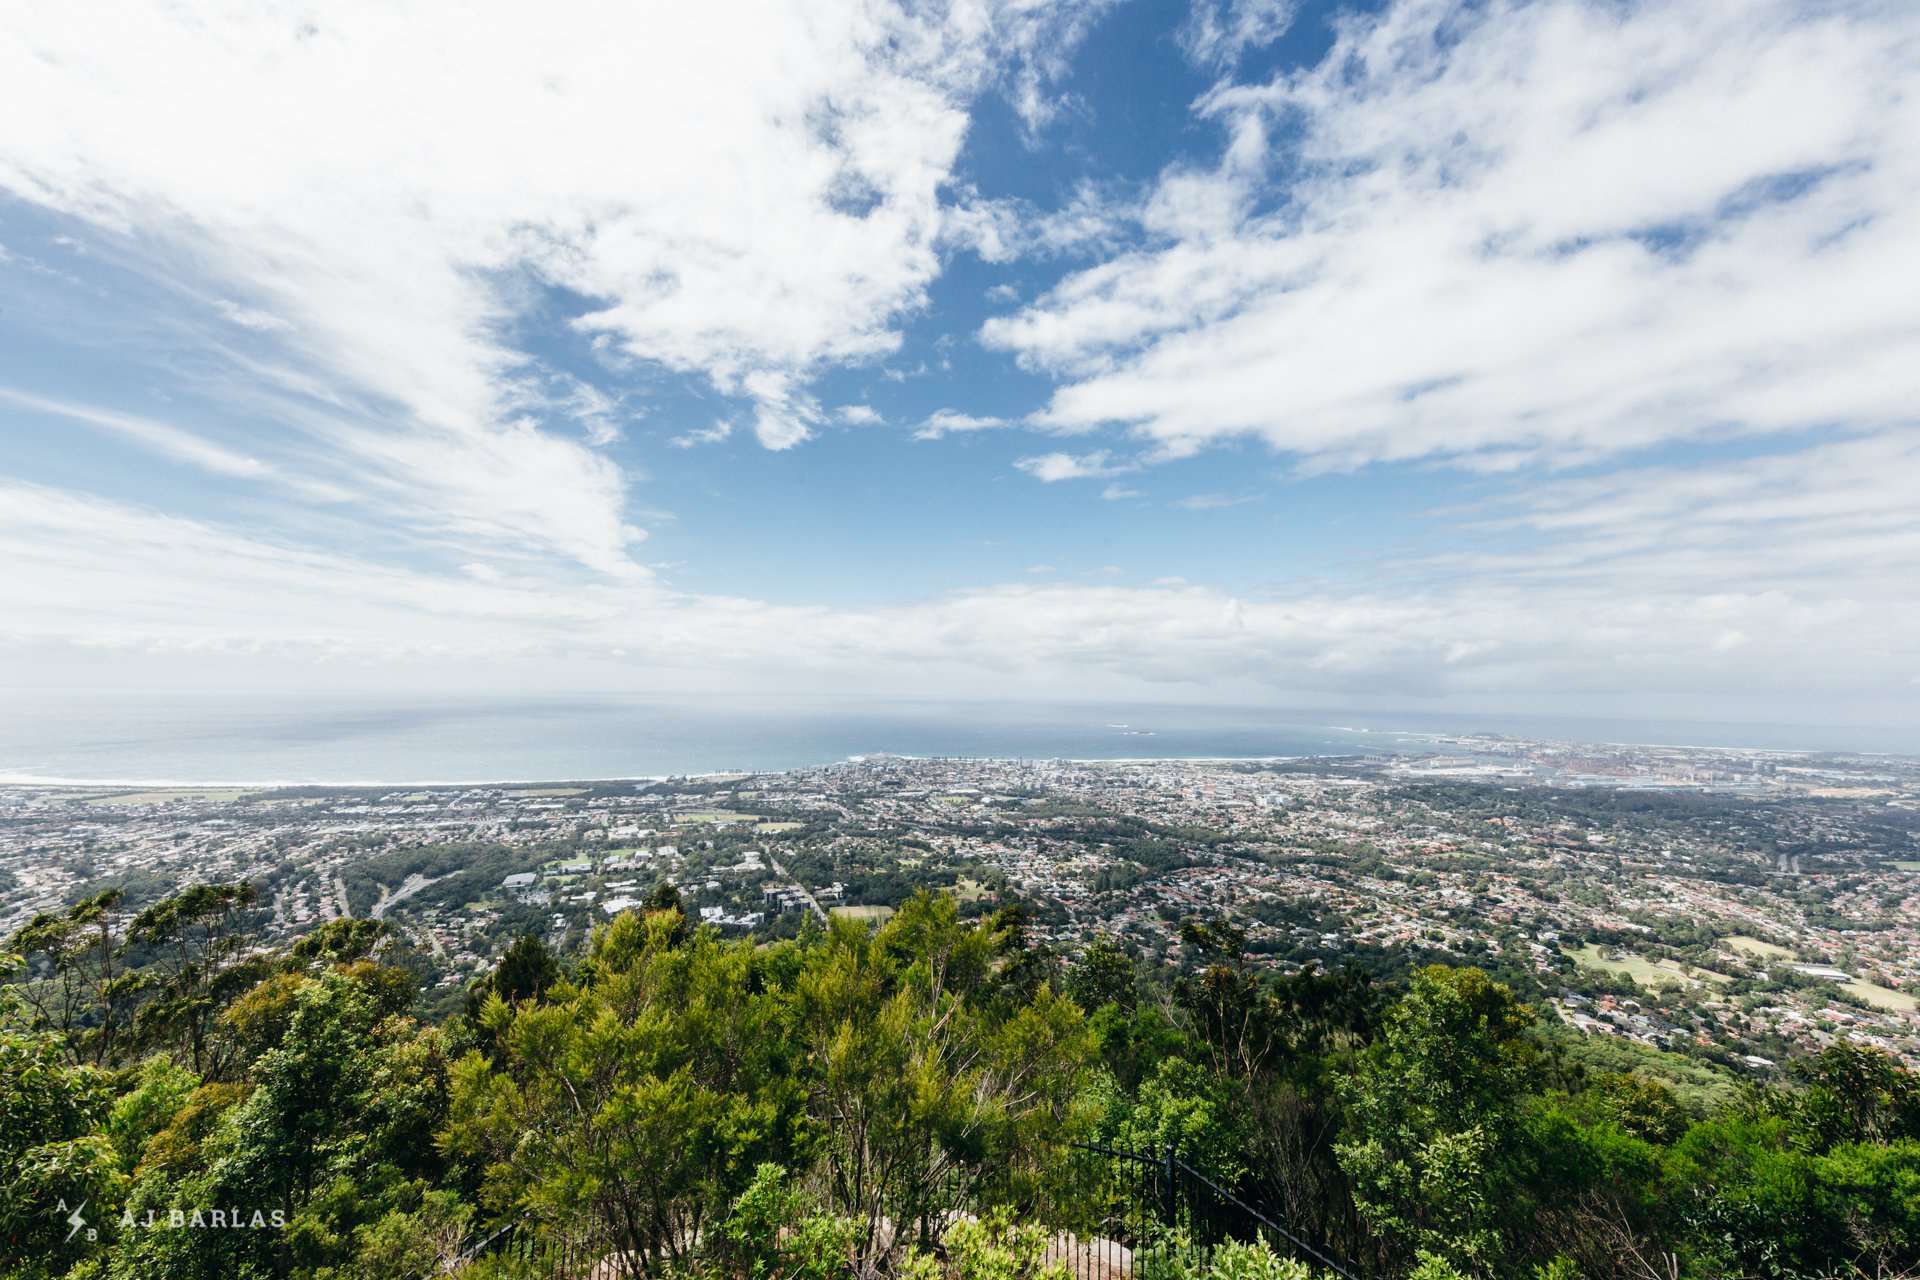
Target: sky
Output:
[{"x": 1557, "y": 357}]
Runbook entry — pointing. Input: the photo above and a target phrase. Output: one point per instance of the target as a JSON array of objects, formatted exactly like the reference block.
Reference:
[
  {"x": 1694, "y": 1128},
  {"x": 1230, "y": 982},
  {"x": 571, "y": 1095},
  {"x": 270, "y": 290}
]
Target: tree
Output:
[
  {"x": 926, "y": 1082},
  {"x": 526, "y": 970},
  {"x": 204, "y": 963},
  {"x": 1856, "y": 1094},
  {"x": 657, "y": 1085},
  {"x": 1104, "y": 975},
  {"x": 333, "y": 1131},
  {"x": 1430, "y": 1108},
  {"x": 55, "y": 1157},
  {"x": 85, "y": 994}
]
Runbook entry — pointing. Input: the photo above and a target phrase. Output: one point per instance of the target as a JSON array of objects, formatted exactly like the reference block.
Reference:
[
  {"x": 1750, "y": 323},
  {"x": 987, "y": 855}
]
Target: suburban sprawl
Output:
[{"x": 1742, "y": 907}]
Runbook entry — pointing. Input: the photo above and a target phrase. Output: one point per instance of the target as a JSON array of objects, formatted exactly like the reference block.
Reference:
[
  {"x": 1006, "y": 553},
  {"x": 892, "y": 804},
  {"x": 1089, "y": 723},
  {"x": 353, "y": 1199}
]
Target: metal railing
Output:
[
  {"x": 1159, "y": 1201},
  {"x": 1115, "y": 1213}
]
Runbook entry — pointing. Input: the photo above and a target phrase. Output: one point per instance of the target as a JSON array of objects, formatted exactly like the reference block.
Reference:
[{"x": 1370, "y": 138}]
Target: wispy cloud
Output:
[
  {"x": 1214, "y": 501},
  {"x": 248, "y": 318},
  {"x": 948, "y": 422},
  {"x": 1218, "y": 32},
  {"x": 390, "y": 215},
  {"x": 1511, "y": 236},
  {"x": 1548, "y": 231},
  {"x": 162, "y": 438},
  {"x": 703, "y": 435},
  {"x": 1053, "y": 467}
]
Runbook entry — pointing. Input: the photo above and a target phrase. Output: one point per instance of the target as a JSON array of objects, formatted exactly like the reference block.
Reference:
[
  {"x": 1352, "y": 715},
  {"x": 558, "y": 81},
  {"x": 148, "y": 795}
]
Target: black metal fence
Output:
[
  {"x": 1119, "y": 1215},
  {"x": 1155, "y": 1206}
]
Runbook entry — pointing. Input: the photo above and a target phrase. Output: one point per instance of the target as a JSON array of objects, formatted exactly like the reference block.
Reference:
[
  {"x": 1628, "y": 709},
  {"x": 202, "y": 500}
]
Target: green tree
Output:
[
  {"x": 204, "y": 961},
  {"x": 55, "y": 1156},
  {"x": 527, "y": 970},
  {"x": 84, "y": 991},
  {"x": 656, "y": 1086},
  {"x": 924, "y": 1083},
  {"x": 1104, "y": 976},
  {"x": 1431, "y": 1108},
  {"x": 331, "y": 1130},
  {"x": 1856, "y": 1094}
]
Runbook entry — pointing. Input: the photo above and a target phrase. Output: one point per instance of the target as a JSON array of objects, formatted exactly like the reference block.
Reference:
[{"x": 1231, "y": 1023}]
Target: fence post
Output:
[{"x": 1171, "y": 1210}]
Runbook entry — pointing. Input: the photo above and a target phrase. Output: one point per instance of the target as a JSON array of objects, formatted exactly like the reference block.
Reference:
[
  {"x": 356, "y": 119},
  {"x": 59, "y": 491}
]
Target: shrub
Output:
[{"x": 999, "y": 1248}]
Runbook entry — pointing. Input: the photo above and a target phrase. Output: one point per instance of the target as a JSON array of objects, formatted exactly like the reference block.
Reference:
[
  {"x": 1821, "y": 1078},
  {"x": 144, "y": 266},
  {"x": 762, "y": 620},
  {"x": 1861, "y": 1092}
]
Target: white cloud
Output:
[
  {"x": 745, "y": 192},
  {"x": 1777, "y": 587},
  {"x": 714, "y": 434},
  {"x": 859, "y": 415},
  {"x": 1551, "y": 235},
  {"x": 946, "y": 422},
  {"x": 157, "y": 437},
  {"x": 248, "y": 318},
  {"x": 1218, "y": 32},
  {"x": 1009, "y": 229},
  {"x": 1052, "y": 467},
  {"x": 1519, "y": 231},
  {"x": 1213, "y": 501},
  {"x": 597, "y": 412}
]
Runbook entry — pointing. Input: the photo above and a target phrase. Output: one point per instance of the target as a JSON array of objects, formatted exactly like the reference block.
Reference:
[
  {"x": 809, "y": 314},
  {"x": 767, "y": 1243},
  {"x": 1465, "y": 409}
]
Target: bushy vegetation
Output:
[{"x": 855, "y": 1103}]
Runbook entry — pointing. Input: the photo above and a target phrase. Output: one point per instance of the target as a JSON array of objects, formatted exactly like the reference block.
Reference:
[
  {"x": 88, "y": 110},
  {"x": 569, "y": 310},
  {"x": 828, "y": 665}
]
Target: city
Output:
[{"x": 1736, "y": 907}]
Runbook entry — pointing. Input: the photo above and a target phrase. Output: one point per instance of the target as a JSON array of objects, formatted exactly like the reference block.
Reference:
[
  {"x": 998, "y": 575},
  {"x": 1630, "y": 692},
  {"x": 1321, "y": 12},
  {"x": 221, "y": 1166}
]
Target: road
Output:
[
  {"x": 412, "y": 885},
  {"x": 804, "y": 891}
]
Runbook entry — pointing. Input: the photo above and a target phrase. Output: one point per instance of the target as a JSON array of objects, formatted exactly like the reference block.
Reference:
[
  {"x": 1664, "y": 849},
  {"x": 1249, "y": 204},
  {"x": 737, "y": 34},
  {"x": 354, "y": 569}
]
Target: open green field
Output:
[
  {"x": 1907, "y": 866},
  {"x": 1755, "y": 947},
  {"x": 546, "y": 791},
  {"x": 1881, "y": 997},
  {"x": 1648, "y": 973},
  {"x": 775, "y": 828},
  {"x": 716, "y": 816},
  {"x": 171, "y": 795},
  {"x": 864, "y": 913},
  {"x": 969, "y": 890}
]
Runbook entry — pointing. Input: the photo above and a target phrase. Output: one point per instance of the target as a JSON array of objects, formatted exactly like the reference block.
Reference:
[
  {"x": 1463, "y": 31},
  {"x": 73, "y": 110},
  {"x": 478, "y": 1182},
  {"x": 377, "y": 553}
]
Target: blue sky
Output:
[{"x": 1553, "y": 357}]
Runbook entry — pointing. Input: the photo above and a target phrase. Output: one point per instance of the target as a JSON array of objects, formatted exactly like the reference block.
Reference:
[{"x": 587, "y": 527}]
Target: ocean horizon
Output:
[{"x": 88, "y": 738}]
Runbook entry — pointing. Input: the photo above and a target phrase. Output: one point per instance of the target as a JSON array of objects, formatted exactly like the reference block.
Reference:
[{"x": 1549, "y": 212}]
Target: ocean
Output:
[{"x": 204, "y": 738}]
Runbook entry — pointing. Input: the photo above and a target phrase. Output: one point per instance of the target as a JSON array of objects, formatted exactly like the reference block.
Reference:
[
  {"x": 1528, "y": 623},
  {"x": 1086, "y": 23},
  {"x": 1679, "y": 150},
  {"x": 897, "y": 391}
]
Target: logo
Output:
[
  {"x": 174, "y": 1219},
  {"x": 76, "y": 1219}
]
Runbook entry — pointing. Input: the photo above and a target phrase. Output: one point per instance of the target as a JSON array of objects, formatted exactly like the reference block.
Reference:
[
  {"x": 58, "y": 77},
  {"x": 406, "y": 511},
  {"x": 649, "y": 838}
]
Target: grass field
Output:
[
  {"x": 864, "y": 913},
  {"x": 172, "y": 795},
  {"x": 1907, "y": 866},
  {"x": 969, "y": 890},
  {"x": 1755, "y": 947},
  {"x": 1648, "y": 973},
  {"x": 775, "y": 828},
  {"x": 547, "y": 791},
  {"x": 716, "y": 816},
  {"x": 1881, "y": 997}
]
